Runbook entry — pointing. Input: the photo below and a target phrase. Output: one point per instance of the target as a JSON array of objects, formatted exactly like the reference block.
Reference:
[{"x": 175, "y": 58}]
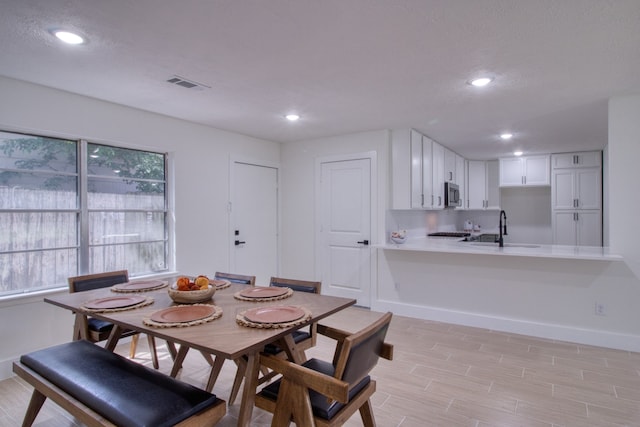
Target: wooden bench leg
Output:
[{"x": 36, "y": 402}]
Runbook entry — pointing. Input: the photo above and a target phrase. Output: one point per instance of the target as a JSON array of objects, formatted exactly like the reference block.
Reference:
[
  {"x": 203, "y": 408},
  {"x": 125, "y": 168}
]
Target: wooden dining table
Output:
[{"x": 223, "y": 337}]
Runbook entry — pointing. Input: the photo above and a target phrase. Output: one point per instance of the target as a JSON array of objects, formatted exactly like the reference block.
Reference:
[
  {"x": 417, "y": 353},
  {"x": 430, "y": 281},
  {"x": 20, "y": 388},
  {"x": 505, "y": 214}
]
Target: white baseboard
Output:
[
  {"x": 541, "y": 330},
  {"x": 6, "y": 369}
]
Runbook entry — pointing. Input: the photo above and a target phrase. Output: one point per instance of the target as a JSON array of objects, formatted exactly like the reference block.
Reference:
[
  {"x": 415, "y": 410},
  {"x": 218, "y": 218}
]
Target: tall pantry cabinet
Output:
[{"x": 576, "y": 198}]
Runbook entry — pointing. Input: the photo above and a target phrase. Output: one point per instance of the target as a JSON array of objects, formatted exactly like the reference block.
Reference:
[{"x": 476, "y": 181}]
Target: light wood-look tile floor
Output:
[{"x": 442, "y": 375}]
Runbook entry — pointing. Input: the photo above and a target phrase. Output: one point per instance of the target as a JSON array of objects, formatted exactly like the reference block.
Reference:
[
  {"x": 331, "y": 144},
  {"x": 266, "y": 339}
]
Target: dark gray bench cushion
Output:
[{"x": 124, "y": 392}]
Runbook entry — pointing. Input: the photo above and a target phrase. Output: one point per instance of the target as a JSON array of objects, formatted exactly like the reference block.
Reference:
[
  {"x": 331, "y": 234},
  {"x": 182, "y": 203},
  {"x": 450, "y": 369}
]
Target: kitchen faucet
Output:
[{"x": 503, "y": 231}]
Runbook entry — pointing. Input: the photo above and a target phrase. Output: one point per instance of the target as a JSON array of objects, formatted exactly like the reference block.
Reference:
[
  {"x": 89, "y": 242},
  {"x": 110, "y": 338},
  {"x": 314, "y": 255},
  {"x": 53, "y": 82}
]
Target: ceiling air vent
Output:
[{"x": 186, "y": 83}]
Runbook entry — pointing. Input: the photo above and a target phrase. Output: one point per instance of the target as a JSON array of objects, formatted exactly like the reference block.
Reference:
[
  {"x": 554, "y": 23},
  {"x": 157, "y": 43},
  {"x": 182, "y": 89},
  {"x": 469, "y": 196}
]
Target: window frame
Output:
[{"x": 82, "y": 213}]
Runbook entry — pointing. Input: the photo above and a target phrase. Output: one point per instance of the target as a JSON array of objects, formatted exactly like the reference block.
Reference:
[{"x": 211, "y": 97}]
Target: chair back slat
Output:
[
  {"x": 97, "y": 281},
  {"x": 296, "y": 285},
  {"x": 236, "y": 278}
]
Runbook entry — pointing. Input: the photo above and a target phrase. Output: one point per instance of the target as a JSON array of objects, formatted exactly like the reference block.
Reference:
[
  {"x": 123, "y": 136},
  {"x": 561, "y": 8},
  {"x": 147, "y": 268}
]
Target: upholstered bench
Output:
[{"x": 101, "y": 388}]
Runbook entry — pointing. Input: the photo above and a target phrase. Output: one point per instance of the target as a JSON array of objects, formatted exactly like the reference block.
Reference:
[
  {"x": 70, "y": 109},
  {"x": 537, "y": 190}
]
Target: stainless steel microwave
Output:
[{"x": 451, "y": 195}]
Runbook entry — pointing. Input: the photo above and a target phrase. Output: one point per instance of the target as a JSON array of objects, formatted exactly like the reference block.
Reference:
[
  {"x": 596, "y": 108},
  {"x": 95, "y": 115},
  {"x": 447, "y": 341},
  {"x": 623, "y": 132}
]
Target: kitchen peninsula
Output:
[
  {"x": 566, "y": 293},
  {"x": 457, "y": 246}
]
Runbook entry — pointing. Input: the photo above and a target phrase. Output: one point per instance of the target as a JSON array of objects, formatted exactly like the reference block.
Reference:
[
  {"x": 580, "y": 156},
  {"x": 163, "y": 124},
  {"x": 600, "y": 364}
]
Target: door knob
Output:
[
  {"x": 364, "y": 242},
  {"x": 238, "y": 243}
]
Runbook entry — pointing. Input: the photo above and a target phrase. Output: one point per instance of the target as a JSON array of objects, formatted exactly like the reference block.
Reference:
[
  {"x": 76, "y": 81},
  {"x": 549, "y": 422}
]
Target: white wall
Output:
[
  {"x": 201, "y": 179},
  {"x": 298, "y": 198},
  {"x": 528, "y": 214},
  {"x": 624, "y": 176}
]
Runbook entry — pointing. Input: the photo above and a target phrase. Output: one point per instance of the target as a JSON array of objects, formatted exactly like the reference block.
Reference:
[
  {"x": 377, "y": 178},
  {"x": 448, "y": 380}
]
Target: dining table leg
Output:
[
  {"x": 80, "y": 327},
  {"x": 293, "y": 351},
  {"x": 114, "y": 337},
  {"x": 249, "y": 390},
  {"x": 215, "y": 371},
  {"x": 177, "y": 362}
]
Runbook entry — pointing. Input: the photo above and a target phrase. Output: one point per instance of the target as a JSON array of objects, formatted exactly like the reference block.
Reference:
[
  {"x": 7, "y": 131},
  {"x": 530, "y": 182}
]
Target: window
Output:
[{"x": 73, "y": 207}]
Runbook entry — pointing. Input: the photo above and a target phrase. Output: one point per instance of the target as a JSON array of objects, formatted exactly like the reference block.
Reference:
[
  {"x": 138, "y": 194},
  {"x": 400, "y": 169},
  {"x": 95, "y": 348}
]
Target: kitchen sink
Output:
[
  {"x": 490, "y": 239},
  {"x": 506, "y": 245},
  {"x": 482, "y": 238}
]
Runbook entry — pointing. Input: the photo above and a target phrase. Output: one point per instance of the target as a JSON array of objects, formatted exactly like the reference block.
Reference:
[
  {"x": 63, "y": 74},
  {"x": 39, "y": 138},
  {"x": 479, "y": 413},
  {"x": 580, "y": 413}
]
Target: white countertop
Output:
[{"x": 454, "y": 245}]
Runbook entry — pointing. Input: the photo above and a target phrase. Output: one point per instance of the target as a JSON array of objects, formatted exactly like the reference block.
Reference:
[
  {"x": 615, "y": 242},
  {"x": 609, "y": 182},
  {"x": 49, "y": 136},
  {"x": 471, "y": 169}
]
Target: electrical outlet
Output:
[{"x": 599, "y": 309}]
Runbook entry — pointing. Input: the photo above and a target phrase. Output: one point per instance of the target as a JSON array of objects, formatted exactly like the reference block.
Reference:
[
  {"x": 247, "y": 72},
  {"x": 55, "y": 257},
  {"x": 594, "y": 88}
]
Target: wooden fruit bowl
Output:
[{"x": 191, "y": 297}]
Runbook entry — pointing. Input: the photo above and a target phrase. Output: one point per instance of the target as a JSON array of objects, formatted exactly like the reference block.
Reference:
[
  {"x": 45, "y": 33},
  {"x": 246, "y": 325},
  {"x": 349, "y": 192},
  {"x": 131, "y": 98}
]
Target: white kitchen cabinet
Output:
[
  {"x": 449, "y": 165},
  {"x": 438, "y": 163},
  {"x": 576, "y": 188},
  {"x": 420, "y": 170},
  {"x": 577, "y": 160},
  {"x": 577, "y": 228},
  {"x": 411, "y": 174},
  {"x": 576, "y": 198},
  {"x": 527, "y": 171},
  {"x": 461, "y": 180},
  {"x": 482, "y": 185}
]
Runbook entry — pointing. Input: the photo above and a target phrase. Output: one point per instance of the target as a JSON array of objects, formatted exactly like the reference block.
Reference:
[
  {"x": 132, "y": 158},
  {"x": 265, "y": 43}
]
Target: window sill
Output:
[{"x": 38, "y": 296}]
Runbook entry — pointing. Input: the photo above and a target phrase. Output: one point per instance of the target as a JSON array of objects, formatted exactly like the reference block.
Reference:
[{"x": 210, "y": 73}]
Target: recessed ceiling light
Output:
[
  {"x": 68, "y": 37},
  {"x": 506, "y": 136},
  {"x": 292, "y": 117},
  {"x": 480, "y": 82},
  {"x": 517, "y": 153}
]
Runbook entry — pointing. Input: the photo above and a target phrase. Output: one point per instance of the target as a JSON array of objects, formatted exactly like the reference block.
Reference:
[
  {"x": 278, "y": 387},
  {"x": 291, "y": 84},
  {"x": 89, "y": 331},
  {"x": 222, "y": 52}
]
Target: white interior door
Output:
[
  {"x": 345, "y": 229},
  {"x": 254, "y": 221}
]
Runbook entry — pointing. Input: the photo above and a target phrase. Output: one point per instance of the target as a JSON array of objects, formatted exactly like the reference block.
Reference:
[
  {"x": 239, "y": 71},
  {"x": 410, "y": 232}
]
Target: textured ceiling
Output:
[{"x": 345, "y": 65}]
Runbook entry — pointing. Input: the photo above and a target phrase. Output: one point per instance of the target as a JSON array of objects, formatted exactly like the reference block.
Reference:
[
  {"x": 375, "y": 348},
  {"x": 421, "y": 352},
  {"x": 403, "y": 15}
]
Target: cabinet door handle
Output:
[
  {"x": 431, "y": 200},
  {"x": 450, "y": 176},
  {"x": 363, "y": 242},
  {"x": 576, "y": 159},
  {"x": 422, "y": 200},
  {"x": 439, "y": 200},
  {"x": 238, "y": 243}
]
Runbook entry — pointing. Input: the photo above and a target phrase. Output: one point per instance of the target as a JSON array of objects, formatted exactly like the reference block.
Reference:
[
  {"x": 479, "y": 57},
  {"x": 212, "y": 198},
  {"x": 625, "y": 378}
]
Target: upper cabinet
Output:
[
  {"x": 577, "y": 160},
  {"x": 527, "y": 171},
  {"x": 438, "y": 163},
  {"x": 449, "y": 166},
  {"x": 461, "y": 179},
  {"x": 420, "y": 167},
  {"x": 411, "y": 170},
  {"x": 482, "y": 185}
]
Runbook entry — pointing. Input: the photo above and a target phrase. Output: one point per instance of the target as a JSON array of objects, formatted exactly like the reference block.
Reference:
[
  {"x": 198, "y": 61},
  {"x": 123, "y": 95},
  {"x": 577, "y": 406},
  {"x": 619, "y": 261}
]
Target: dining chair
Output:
[
  {"x": 304, "y": 339},
  {"x": 236, "y": 278},
  {"x": 319, "y": 393},
  {"x": 99, "y": 330},
  {"x": 217, "y": 362}
]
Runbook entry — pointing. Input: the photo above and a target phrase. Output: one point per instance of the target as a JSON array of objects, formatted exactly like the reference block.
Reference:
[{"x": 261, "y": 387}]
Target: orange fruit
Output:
[
  {"x": 183, "y": 284},
  {"x": 202, "y": 282}
]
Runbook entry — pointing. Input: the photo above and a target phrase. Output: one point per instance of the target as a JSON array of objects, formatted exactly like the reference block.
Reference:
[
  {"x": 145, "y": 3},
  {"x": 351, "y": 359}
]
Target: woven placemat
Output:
[
  {"x": 241, "y": 320},
  {"x": 225, "y": 285},
  {"x": 147, "y": 301},
  {"x": 264, "y": 299},
  {"x": 215, "y": 315},
  {"x": 129, "y": 291}
]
